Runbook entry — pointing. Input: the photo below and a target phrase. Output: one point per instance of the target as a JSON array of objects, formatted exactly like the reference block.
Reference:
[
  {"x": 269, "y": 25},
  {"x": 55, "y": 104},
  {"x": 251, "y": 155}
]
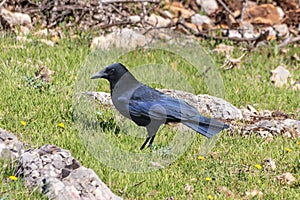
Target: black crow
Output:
[{"x": 151, "y": 108}]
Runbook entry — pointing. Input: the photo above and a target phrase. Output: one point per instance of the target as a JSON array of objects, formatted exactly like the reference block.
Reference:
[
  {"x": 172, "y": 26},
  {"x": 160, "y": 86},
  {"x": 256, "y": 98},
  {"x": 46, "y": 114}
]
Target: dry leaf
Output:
[
  {"x": 263, "y": 14},
  {"x": 280, "y": 76},
  {"x": 152, "y": 192},
  {"x": 44, "y": 74},
  {"x": 42, "y": 32},
  {"x": 223, "y": 48},
  {"x": 47, "y": 42},
  {"x": 188, "y": 188},
  {"x": 223, "y": 189},
  {"x": 252, "y": 110},
  {"x": 296, "y": 57},
  {"x": 269, "y": 164},
  {"x": 286, "y": 178},
  {"x": 254, "y": 193},
  {"x": 178, "y": 10}
]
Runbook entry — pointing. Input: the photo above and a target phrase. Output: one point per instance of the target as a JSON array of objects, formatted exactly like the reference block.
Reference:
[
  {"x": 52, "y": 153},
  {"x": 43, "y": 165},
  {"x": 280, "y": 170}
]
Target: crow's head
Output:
[{"x": 112, "y": 73}]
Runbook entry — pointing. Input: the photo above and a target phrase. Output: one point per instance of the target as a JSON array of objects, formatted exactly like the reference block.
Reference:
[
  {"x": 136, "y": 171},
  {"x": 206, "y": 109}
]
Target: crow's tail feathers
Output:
[{"x": 206, "y": 126}]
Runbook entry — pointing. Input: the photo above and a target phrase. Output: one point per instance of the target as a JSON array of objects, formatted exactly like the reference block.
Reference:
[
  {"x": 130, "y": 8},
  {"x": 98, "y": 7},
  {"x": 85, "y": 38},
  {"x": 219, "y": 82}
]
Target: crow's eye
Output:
[{"x": 111, "y": 71}]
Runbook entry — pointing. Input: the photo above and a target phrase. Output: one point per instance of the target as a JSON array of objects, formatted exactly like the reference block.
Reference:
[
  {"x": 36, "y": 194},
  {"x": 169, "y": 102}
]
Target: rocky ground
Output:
[
  {"x": 60, "y": 176},
  {"x": 53, "y": 171},
  {"x": 250, "y": 22}
]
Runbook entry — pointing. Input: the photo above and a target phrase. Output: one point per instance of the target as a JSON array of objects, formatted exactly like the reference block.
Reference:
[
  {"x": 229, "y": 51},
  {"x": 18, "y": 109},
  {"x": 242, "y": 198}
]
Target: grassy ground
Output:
[{"x": 232, "y": 163}]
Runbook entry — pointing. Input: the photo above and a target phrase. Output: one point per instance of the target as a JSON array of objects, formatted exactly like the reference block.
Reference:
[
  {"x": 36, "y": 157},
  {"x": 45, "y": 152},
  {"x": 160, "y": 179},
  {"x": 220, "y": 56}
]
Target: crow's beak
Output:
[{"x": 100, "y": 74}]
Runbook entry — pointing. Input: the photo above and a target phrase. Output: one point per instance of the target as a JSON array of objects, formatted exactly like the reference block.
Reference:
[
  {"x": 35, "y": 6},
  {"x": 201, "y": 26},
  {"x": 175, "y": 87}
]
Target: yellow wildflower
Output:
[
  {"x": 23, "y": 123},
  {"x": 61, "y": 125},
  {"x": 13, "y": 178},
  {"x": 208, "y": 179},
  {"x": 201, "y": 158},
  {"x": 288, "y": 149},
  {"x": 258, "y": 166},
  {"x": 210, "y": 197},
  {"x": 298, "y": 142}
]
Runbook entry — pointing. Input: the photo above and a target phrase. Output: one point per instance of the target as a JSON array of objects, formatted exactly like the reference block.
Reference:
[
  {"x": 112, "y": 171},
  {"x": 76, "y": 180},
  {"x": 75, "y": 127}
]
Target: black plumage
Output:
[{"x": 151, "y": 108}]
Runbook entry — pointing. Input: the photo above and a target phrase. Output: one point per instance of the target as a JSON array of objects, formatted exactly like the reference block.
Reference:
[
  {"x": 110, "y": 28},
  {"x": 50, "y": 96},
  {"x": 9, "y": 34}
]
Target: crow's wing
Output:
[{"x": 147, "y": 102}]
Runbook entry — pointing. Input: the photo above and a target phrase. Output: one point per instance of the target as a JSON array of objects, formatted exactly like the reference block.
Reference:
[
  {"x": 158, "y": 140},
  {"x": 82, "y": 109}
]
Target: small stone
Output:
[
  {"x": 282, "y": 31},
  {"x": 158, "y": 21},
  {"x": 134, "y": 18},
  {"x": 200, "y": 19},
  {"x": 209, "y": 6},
  {"x": 247, "y": 30},
  {"x": 232, "y": 34}
]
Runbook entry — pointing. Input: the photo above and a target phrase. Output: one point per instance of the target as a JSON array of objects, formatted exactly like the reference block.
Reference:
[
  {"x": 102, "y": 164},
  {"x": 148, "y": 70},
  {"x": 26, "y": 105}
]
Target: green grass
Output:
[{"x": 231, "y": 163}]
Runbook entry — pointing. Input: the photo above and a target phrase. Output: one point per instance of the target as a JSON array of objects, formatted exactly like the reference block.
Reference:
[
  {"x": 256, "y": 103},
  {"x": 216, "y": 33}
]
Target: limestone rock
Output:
[
  {"x": 120, "y": 38},
  {"x": 209, "y": 6},
  {"x": 60, "y": 176},
  {"x": 10, "y": 147},
  {"x": 13, "y": 19},
  {"x": 208, "y": 105}
]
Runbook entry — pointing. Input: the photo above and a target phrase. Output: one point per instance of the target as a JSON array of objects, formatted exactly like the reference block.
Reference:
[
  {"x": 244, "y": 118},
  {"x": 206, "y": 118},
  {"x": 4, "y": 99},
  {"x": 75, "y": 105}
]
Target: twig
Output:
[
  {"x": 230, "y": 63},
  {"x": 243, "y": 10},
  {"x": 288, "y": 41},
  {"x": 157, "y": 27},
  {"x": 207, "y": 36},
  {"x": 3, "y": 2},
  {"x": 226, "y": 8},
  {"x": 129, "y": 1},
  {"x": 103, "y": 26}
]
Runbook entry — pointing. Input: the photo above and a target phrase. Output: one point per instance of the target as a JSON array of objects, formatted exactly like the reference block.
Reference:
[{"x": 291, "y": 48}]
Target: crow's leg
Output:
[
  {"x": 146, "y": 141},
  {"x": 151, "y": 141},
  {"x": 151, "y": 129}
]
